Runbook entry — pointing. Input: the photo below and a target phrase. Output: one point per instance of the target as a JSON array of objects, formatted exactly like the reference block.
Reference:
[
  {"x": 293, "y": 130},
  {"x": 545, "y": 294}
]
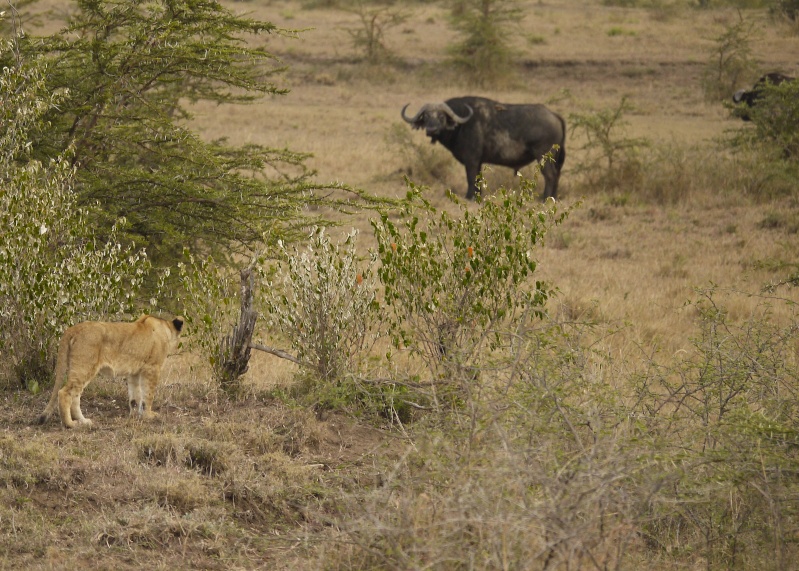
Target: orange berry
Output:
[
  {"x": 470, "y": 251},
  {"x": 393, "y": 246},
  {"x": 359, "y": 279}
]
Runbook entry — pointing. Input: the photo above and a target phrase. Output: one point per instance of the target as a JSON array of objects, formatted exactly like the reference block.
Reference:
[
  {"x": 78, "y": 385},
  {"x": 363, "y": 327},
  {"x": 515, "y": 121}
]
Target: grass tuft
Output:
[{"x": 209, "y": 458}]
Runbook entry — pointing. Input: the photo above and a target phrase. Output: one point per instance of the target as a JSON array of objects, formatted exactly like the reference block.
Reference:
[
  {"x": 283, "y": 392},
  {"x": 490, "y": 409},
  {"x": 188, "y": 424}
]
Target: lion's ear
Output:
[{"x": 178, "y": 323}]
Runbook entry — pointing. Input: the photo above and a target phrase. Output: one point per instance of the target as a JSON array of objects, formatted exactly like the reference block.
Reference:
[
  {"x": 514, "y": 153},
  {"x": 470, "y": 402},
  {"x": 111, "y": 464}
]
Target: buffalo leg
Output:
[
  {"x": 551, "y": 176},
  {"x": 472, "y": 172}
]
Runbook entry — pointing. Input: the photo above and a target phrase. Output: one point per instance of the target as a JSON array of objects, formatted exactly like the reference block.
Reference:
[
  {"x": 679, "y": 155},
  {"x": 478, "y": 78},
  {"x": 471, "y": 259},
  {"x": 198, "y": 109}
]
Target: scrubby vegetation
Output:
[
  {"x": 605, "y": 382},
  {"x": 54, "y": 268}
]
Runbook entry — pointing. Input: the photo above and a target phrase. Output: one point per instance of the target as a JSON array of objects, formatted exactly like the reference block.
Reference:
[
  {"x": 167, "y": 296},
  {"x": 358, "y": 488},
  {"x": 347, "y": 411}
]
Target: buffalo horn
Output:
[
  {"x": 415, "y": 117},
  {"x": 454, "y": 116}
]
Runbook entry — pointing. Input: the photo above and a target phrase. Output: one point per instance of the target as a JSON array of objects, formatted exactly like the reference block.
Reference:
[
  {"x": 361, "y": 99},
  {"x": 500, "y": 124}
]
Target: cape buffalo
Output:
[
  {"x": 748, "y": 98},
  {"x": 480, "y": 131}
]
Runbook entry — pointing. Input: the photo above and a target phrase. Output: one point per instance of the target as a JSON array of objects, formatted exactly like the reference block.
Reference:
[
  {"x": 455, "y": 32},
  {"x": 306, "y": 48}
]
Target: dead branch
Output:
[
  {"x": 277, "y": 353},
  {"x": 234, "y": 350}
]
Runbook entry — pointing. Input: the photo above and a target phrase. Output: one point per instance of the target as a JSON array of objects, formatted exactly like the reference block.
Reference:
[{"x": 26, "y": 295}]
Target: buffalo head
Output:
[{"x": 436, "y": 118}]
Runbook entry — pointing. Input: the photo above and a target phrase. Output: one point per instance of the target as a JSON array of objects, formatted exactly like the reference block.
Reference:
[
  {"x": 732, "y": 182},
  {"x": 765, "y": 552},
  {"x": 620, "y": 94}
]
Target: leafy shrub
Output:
[
  {"x": 559, "y": 464},
  {"x": 377, "y": 399},
  {"x": 787, "y": 8},
  {"x": 210, "y": 306},
  {"x": 54, "y": 271},
  {"x": 768, "y": 145},
  {"x": 536, "y": 474},
  {"x": 667, "y": 173},
  {"x": 613, "y": 161},
  {"x": 323, "y": 300},
  {"x": 455, "y": 285},
  {"x": 776, "y": 116},
  {"x": 133, "y": 72},
  {"x": 369, "y": 37}
]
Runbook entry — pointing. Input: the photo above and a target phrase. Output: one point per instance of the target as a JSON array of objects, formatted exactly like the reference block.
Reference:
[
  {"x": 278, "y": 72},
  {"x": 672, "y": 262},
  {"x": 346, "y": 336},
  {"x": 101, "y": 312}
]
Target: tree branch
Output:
[{"x": 278, "y": 353}]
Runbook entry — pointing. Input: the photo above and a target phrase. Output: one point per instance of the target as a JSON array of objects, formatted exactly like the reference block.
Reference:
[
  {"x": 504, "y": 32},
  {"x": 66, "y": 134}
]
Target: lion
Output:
[{"x": 136, "y": 350}]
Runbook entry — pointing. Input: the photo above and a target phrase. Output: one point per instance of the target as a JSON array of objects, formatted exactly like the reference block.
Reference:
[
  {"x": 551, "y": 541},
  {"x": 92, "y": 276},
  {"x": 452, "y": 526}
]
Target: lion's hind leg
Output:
[
  {"x": 62, "y": 364},
  {"x": 69, "y": 396},
  {"x": 135, "y": 394}
]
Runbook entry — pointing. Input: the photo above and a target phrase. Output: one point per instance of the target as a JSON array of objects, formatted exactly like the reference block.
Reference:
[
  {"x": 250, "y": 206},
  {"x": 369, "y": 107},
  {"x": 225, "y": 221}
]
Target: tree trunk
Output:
[{"x": 234, "y": 350}]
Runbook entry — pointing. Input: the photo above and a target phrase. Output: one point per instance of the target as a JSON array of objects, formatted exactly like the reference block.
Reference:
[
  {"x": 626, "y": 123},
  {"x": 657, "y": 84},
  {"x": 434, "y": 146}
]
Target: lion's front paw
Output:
[
  {"x": 84, "y": 422},
  {"x": 149, "y": 415}
]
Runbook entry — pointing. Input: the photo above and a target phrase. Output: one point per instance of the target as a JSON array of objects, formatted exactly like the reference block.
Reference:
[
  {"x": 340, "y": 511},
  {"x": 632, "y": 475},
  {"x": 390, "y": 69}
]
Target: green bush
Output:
[
  {"x": 376, "y": 399},
  {"x": 456, "y": 285},
  {"x": 209, "y": 296},
  {"x": 54, "y": 272},
  {"x": 776, "y": 119},
  {"x": 670, "y": 173},
  {"x": 323, "y": 300},
  {"x": 129, "y": 75},
  {"x": 539, "y": 471},
  {"x": 768, "y": 145},
  {"x": 613, "y": 160},
  {"x": 787, "y": 8},
  {"x": 564, "y": 461}
]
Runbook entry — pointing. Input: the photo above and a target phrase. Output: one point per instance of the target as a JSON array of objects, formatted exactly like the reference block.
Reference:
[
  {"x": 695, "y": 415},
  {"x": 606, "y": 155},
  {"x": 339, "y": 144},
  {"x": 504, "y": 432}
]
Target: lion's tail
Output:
[{"x": 61, "y": 366}]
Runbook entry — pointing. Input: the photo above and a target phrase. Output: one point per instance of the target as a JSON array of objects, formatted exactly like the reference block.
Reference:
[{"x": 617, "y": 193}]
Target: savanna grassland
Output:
[{"x": 638, "y": 443}]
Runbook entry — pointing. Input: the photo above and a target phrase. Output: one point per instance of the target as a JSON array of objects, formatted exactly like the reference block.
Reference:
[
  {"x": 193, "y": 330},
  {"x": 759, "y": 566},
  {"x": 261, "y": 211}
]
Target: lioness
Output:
[{"x": 136, "y": 350}]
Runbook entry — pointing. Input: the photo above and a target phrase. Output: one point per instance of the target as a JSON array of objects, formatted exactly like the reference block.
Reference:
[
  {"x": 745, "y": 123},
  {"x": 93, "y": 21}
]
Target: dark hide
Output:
[
  {"x": 480, "y": 131},
  {"x": 748, "y": 98}
]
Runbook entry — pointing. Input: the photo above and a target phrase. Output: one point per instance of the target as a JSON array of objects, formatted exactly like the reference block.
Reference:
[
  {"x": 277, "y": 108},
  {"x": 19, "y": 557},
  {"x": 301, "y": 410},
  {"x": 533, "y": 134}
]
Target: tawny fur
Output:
[{"x": 136, "y": 350}]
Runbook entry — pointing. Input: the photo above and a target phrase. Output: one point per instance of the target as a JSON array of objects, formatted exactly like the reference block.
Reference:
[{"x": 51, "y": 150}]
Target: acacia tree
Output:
[
  {"x": 128, "y": 72},
  {"x": 730, "y": 60},
  {"x": 483, "y": 49}
]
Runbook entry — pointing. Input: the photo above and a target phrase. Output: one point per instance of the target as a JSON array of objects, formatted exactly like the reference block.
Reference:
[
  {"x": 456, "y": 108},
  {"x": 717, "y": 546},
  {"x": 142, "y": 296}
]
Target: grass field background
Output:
[{"x": 258, "y": 483}]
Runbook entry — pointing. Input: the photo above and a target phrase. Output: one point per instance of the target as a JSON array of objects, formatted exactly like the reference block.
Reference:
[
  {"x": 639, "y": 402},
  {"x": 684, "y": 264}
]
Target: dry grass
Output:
[
  {"x": 252, "y": 484},
  {"x": 209, "y": 481}
]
